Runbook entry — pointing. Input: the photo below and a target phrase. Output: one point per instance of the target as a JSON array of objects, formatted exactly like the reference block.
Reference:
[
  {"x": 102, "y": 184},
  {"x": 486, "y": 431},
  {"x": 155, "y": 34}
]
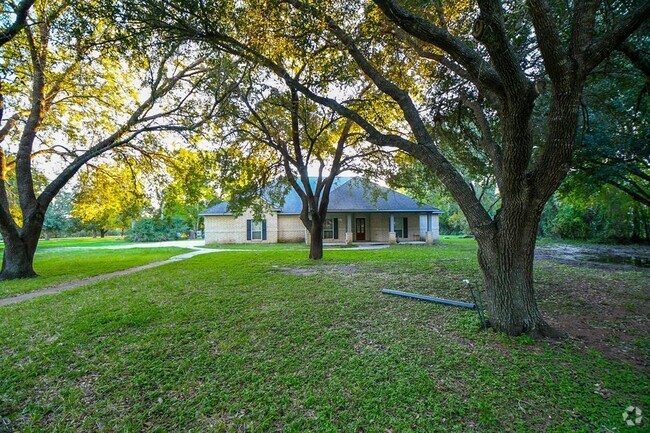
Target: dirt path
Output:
[{"x": 82, "y": 282}]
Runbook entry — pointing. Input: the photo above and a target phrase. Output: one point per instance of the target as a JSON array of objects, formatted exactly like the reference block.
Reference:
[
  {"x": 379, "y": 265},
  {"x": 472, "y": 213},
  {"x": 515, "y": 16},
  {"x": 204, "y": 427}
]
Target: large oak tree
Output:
[{"x": 506, "y": 58}]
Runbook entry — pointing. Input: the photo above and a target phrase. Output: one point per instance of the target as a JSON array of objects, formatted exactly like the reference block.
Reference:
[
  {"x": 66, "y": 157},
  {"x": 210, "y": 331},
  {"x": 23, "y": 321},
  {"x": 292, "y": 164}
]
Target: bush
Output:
[
  {"x": 156, "y": 230},
  {"x": 573, "y": 222},
  {"x": 609, "y": 216}
]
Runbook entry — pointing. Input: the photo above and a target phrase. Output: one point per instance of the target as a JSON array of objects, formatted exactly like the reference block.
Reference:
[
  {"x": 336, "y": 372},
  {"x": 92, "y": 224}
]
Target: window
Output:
[
  {"x": 256, "y": 230},
  {"x": 330, "y": 228}
]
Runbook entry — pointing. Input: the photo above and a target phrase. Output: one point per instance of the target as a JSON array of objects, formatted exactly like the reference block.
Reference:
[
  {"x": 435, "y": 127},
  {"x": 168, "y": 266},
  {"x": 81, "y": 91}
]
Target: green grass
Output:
[
  {"x": 270, "y": 341},
  {"x": 58, "y": 265}
]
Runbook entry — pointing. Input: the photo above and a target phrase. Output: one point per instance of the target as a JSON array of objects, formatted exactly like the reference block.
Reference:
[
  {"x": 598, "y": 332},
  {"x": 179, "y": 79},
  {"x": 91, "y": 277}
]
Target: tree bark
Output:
[
  {"x": 18, "y": 256},
  {"x": 506, "y": 261},
  {"x": 316, "y": 240}
]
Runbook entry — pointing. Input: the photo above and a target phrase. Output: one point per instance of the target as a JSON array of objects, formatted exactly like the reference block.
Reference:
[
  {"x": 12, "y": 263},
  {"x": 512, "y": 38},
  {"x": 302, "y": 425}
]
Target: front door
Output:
[{"x": 361, "y": 229}]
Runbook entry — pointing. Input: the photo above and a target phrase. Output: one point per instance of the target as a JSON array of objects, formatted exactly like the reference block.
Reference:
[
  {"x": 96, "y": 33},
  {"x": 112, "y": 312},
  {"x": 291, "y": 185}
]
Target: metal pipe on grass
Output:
[{"x": 460, "y": 304}]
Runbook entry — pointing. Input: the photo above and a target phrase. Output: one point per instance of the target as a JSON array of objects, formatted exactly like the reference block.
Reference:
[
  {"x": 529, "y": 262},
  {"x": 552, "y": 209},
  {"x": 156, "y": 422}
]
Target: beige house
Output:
[{"x": 358, "y": 211}]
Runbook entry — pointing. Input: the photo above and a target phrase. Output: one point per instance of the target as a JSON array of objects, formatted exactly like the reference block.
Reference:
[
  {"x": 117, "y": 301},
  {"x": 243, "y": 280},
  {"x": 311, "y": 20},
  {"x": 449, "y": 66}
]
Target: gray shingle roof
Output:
[
  {"x": 217, "y": 209},
  {"x": 349, "y": 195},
  {"x": 362, "y": 195}
]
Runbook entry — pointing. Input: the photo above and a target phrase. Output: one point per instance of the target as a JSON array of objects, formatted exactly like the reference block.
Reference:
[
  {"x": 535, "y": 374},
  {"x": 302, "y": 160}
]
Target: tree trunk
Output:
[
  {"x": 18, "y": 257},
  {"x": 506, "y": 261},
  {"x": 316, "y": 241},
  {"x": 636, "y": 225},
  {"x": 102, "y": 233}
]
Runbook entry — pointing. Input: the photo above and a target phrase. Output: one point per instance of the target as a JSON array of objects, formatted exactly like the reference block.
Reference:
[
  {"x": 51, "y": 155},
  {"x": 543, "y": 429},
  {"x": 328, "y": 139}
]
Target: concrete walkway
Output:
[
  {"x": 193, "y": 244},
  {"x": 82, "y": 282}
]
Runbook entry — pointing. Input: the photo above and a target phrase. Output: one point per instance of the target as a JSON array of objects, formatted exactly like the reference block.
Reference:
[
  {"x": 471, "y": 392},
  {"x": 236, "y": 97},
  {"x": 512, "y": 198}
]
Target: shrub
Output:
[{"x": 156, "y": 230}]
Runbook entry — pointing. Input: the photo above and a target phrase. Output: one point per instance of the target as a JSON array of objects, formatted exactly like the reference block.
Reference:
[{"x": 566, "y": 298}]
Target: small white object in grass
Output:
[
  {"x": 632, "y": 416},
  {"x": 466, "y": 281}
]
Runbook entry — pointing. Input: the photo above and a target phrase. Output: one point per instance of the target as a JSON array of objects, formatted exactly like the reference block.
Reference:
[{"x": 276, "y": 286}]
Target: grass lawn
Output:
[
  {"x": 56, "y": 265},
  {"x": 269, "y": 341}
]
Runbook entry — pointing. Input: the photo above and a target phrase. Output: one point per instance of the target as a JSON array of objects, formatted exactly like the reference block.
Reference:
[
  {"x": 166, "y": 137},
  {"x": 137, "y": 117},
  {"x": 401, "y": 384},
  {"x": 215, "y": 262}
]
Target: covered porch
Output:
[{"x": 380, "y": 227}]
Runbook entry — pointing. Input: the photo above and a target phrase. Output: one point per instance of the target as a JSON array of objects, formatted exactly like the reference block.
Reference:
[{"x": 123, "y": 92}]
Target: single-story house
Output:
[{"x": 358, "y": 211}]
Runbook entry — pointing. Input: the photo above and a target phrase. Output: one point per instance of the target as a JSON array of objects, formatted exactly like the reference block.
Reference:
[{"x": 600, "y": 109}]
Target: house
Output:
[{"x": 358, "y": 211}]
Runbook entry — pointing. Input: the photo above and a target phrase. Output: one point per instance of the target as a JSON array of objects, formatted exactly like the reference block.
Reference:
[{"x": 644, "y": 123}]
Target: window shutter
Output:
[
  {"x": 249, "y": 230},
  {"x": 336, "y": 228},
  {"x": 263, "y": 230},
  {"x": 405, "y": 228}
]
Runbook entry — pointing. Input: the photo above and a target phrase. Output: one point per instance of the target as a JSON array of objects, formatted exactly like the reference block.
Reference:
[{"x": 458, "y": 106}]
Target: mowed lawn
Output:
[
  {"x": 59, "y": 261},
  {"x": 267, "y": 340}
]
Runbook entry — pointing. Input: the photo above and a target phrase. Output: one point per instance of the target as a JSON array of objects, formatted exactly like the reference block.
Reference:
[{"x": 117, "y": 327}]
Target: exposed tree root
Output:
[{"x": 545, "y": 331}]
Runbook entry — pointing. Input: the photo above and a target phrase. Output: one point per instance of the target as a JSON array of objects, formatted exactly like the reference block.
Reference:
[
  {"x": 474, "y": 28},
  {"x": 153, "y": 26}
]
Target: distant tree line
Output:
[{"x": 606, "y": 216}]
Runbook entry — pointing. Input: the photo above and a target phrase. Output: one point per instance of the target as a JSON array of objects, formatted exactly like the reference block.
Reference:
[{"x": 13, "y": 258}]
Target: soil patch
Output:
[
  {"x": 321, "y": 269},
  {"x": 608, "y": 312},
  {"x": 614, "y": 257}
]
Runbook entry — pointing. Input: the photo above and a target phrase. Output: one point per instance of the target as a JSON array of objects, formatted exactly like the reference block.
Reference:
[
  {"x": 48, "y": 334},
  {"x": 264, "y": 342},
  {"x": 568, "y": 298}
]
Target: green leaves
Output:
[
  {"x": 109, "y": 197},
  {"x": 192, "y": 184}
]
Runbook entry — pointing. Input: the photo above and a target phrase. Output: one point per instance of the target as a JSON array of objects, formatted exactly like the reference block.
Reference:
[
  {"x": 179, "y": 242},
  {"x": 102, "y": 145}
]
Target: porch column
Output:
[
  {"x": 349, "y": 236},
  {"x": 429, "y": 238},
  {"x": 392, "y": 239},
  {"x": 307, "y": 237}
]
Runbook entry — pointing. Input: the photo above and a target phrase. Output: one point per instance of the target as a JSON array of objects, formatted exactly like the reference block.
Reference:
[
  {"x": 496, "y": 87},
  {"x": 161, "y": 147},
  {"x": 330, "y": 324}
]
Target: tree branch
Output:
[
  {"x": 487, "y": 139},
  {"x": 637, "y": 58},
  {"x": 482, "y": 73},
  {"x": 600, "y": 50},
  {"x": 9, "y": 125},
  {"x": 556, "y": 59},
  {"x": 22, "y": 10},
  {"x": 489, "y": 29},
  {"x": 636, "y": 195}
]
